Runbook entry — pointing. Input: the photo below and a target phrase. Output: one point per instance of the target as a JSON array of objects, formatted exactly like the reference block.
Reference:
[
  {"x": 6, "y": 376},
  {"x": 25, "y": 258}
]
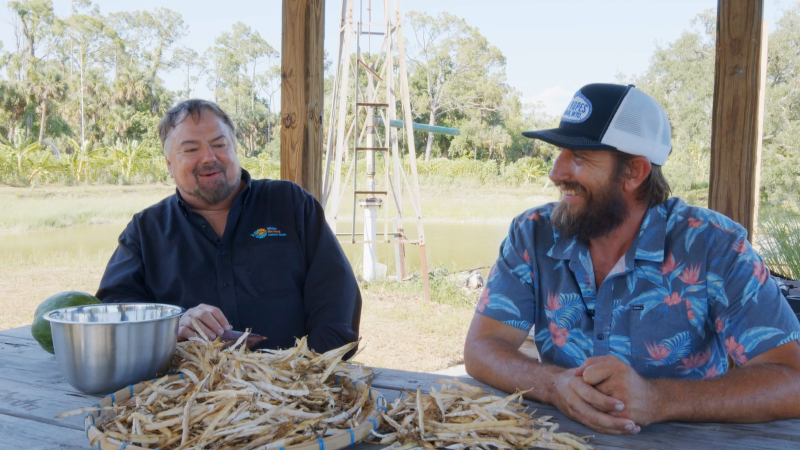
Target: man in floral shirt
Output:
[{"x": 637, "y": 299}]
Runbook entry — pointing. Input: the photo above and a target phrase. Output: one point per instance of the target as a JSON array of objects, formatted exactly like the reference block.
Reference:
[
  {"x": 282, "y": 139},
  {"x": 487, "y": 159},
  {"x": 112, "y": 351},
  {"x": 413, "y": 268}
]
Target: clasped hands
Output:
[{"x": 607, "y": 395}]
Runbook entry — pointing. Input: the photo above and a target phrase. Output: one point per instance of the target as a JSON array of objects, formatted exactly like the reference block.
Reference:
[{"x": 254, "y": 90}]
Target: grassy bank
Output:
[{"x": 50, "y": 206}]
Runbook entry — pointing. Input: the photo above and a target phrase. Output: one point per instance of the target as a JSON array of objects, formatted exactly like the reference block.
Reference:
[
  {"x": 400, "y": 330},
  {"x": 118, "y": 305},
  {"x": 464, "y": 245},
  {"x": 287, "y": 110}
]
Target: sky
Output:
[{"x": 552, "y": 47}]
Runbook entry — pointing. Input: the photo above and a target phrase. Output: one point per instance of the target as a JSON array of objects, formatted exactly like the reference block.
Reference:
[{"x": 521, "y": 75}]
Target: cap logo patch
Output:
[{"x": 579, "y": 109}]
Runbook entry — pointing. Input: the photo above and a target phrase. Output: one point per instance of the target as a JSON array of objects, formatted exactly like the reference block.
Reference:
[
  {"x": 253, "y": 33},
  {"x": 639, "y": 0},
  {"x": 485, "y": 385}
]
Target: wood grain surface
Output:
[
  {"x": 32, "y": 392},
  {"x": 302, "y": 92},
  {"x": 738, "y": 109}
]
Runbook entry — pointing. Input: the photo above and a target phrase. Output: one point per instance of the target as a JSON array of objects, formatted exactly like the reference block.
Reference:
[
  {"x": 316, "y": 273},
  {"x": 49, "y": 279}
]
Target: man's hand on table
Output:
[
  {"x": 209, "y": 318},
  {"x": 618, "y": 381},
  {"x": 583, "y": 402}
]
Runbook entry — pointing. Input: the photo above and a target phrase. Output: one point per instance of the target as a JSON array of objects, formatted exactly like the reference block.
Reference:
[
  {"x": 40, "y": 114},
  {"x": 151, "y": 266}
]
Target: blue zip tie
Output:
[
  {"x": 355, "y": 384},
  {"x": 180, "y": 376},
  {"x": 374, "y": 423},
  {"x": 113, "y": 399},
  {"x": 122, "y": 447},
  {"x": 88, "y": 415},
  {"x": 321, "y": 444},
  {"x": 281, "y": 448},
  {"x": 337, "y": 380},
  {"x": 98, "y": 409},
  {"x": 132, "y": 393},
  {"x": 352, "y": 437}
]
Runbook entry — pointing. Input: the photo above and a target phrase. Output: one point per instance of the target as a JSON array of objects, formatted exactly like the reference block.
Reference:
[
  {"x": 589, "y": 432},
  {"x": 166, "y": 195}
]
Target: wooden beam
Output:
[
  {"x": 302, "y": 92},
  {"x": 736, "y": 127}
]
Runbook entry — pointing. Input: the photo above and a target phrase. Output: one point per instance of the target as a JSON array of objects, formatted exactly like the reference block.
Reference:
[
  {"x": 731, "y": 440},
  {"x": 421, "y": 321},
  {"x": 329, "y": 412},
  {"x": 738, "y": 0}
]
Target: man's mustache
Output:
[
  {"x": 572, "y": 186},
  {"x": 215, "y": 166}
]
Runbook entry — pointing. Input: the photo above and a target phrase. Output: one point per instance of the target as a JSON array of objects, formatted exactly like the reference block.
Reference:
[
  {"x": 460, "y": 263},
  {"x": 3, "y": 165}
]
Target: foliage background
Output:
[{"x": 80, "y": 97}]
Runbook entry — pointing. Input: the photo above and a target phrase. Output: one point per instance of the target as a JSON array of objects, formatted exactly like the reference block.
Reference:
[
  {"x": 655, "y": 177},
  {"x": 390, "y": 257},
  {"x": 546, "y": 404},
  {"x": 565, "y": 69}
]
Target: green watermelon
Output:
[{"x": 40, "y": 329}]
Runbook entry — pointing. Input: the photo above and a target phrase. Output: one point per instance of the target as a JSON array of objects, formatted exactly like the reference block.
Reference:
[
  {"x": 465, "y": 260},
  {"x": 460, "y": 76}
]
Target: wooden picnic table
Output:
[{"x": 33, "y": 392}]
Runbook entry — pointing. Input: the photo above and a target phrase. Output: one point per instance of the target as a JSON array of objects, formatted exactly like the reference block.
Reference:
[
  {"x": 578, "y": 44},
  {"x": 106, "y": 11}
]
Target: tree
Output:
[
  {"x": 89, "y": 39},
  {"x": 22, "y": 152},
  {"x": 147, "y": 37},
  {"x": 781, "y": 149},
  {"x": 186, "y": 60},
  {"x": 454, "y": 68},
  {"x": 681, "y": 78},
  {"x": 36, "y": 17},
  {"x": 46, "y": 84},
  {"x": 270, "y": 83},
  {"x": 236, "y": 56}
]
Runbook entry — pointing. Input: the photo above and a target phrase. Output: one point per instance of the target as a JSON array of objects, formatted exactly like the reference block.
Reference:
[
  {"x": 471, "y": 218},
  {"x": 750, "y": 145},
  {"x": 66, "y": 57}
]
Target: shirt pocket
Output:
[
  {"x": 665, "y": 329},
  {"x": 269, "y": 269}
]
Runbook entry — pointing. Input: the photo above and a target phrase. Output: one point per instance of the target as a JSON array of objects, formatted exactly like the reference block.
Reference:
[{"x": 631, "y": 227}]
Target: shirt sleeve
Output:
[
  {"x": 509, "y": 295},
  {"x": 123, "y": 280},
  {"x": 330, "y": 293},
  {"x": 747, "y": 307}
]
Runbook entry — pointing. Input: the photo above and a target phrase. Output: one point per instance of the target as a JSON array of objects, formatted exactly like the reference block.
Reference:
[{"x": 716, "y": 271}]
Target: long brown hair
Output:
[{"x": 655, "y": 189}]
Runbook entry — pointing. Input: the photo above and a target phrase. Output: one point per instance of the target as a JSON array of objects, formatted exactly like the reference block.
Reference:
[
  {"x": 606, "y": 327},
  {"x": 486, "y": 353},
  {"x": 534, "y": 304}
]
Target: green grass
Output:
[
  {"x": 778, "y": 240},
  {"x": 27, "y": 209},
  {"x": 46, "y": 207},
  {"x": 446, "y": 289}
]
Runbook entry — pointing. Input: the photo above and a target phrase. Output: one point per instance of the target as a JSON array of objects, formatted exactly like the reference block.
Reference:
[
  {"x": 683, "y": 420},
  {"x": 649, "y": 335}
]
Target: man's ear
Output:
[
  {"x": 638, "y": 171},
  {"x": 169, "y": 166}
]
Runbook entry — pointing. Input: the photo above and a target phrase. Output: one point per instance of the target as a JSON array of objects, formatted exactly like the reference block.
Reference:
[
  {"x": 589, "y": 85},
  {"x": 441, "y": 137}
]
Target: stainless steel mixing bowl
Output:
[{"x": 103, "y": 348}]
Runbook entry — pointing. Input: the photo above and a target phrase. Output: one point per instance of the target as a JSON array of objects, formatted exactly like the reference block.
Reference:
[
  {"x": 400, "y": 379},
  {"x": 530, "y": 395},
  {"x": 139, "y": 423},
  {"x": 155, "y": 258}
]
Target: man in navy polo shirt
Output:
[
  {"x": 637, "y": 299},
  {"x": 236, "y": 253}
]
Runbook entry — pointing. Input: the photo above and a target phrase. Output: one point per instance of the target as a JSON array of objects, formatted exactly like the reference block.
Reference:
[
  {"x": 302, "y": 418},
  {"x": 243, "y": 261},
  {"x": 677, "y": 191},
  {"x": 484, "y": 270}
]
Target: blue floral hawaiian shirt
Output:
[{"x": 689, "y": 292}]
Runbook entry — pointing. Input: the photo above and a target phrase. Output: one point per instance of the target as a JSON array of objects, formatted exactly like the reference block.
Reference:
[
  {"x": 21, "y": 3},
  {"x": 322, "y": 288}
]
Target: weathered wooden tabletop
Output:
[{"x": 32, "y": 392}]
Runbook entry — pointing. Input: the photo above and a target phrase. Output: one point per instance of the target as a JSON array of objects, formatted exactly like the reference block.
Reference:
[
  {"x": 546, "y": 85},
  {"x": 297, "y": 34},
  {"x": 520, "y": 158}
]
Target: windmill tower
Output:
[{"x": 351, "y": 137}]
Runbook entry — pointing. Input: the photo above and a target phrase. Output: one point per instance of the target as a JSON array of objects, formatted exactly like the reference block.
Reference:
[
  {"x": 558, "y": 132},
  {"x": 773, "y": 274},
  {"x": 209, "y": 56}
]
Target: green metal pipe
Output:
[{"x": 422, "y": 127}]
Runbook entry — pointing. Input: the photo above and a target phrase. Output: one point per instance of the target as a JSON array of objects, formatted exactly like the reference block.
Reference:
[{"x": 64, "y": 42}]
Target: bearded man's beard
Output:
[
  {"x": 602, "y": 212},
  {"x": 216, "y": 192}
]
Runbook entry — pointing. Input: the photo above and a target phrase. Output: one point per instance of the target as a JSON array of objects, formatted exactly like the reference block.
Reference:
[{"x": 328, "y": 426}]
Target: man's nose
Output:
[
  {"x": 208, "y": 153},
  {"x": 560, "y": 172}
]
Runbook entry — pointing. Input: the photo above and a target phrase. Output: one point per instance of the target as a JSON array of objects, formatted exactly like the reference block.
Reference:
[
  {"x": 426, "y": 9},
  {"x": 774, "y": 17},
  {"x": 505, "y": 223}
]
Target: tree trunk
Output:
[
  {"x": 83, "y": 135},
  {"x": 269, "y": 137},
  {"x": 42, "y": 122},
  {"x": 428, "y": 147}
]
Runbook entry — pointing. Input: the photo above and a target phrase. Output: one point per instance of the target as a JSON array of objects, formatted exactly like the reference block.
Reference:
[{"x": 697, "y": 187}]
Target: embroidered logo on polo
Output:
[
  {"x": 579, "y": 109},
  {"x": 261, "y": 233}
]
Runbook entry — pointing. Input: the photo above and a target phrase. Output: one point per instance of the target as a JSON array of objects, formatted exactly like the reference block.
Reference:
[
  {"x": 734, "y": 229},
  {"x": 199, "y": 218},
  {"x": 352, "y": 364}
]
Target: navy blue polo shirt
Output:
[{"x": 278, "y": 269}]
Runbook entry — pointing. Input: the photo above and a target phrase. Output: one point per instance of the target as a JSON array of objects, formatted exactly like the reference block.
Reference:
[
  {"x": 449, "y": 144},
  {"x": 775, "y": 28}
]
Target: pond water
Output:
[{"x": 452, "y": 245}]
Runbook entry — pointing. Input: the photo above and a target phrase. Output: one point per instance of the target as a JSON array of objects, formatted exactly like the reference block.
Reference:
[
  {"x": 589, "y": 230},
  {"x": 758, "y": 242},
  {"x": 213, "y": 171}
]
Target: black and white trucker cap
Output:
[{"x": 612, "y": 117}]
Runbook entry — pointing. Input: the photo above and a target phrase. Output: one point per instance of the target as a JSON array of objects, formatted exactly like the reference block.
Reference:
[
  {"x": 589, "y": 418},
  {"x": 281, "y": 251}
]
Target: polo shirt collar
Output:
[{"x": 649, "y": 243}]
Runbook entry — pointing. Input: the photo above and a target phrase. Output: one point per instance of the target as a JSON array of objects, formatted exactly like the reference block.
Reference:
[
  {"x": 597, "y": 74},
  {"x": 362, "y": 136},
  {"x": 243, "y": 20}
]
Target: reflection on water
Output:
[{"x": 448, "y": 244}]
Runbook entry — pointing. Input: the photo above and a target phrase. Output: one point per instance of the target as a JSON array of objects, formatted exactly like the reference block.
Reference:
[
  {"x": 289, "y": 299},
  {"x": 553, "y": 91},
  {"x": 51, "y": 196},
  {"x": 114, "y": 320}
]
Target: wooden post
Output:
[
  {"x": 302, "y": 93},
  {"x": 738, "y": 111}
]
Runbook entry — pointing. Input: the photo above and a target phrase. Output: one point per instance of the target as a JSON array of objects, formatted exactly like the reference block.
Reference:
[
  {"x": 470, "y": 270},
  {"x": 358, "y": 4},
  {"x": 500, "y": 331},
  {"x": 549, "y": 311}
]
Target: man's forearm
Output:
[
  {"x": 747, "y": 394},
  {"x": 500, "y": 365}
]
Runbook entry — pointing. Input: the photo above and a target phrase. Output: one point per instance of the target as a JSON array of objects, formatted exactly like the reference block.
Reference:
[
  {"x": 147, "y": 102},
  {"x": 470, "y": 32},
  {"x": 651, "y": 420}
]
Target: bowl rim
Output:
[{"x": 179, "y": 311}]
